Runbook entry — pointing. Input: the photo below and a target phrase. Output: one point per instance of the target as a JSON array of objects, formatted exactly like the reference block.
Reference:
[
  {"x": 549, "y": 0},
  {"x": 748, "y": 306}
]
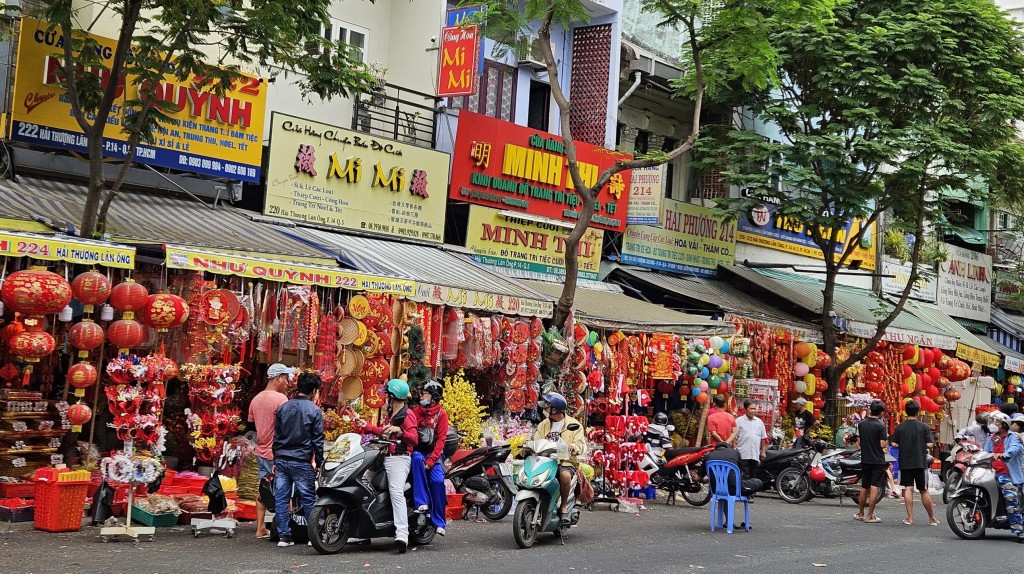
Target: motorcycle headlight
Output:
[
  {"x": 521, "y": 478},
  {"x": 537, "y": 480}
]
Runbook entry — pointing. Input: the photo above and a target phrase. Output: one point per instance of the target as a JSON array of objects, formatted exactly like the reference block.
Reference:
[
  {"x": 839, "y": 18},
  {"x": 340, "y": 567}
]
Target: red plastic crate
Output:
[
  {"x": 17, "y": 490},
  {"x": 245, "y": 510},
  {"x": 454, "y": 510},
  {"x": 231, "y": 494},
  {"x": 169, "y": 477},
  {"x": 172, "y": 490},
  {"x": 60, "y": 505}
]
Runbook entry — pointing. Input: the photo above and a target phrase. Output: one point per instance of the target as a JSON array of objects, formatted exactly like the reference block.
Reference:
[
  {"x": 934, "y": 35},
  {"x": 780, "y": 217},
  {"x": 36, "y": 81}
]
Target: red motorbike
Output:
[
  {"x": 682, "y": 470},
  {"x": 484, "y": 479}
]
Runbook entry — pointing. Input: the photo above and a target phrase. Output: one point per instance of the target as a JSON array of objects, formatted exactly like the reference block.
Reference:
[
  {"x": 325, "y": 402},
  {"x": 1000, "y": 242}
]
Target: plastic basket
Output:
[
  {"x": 245, "y": 510},
  {"x": 144, "y": 518},
  {"x": 17, "y": 490},
  {"x": 60, "y": 505},
  {"x": 169, "y": 477},
  {"x": 454, "y": 509},
  {"x": 20, "y": 514}
]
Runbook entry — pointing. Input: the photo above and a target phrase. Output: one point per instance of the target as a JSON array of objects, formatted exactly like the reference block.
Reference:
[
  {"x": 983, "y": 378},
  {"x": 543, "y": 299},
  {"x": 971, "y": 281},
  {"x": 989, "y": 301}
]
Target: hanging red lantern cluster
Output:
[
  {"x": 32, "y": 345},
  {"x": 164, "y": 311},
  {"x": 91, "y": 288},
  {"x": 127, "y": 297},
  {"x": 85, "y": 337},
  {"x": 82, "y": 376}
]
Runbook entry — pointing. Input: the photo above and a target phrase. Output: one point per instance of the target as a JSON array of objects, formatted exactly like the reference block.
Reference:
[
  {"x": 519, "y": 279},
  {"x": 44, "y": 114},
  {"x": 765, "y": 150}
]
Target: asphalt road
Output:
[{"x": 817, "y": 536}]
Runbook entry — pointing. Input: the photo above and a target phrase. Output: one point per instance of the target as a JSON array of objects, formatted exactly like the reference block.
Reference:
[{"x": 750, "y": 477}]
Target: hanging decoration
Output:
[{"x": 91, "y": 288}]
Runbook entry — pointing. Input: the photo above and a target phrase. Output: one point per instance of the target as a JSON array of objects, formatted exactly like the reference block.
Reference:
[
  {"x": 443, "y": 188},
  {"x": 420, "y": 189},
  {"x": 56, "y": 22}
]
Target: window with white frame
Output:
[{"x": 354, "y": 36}]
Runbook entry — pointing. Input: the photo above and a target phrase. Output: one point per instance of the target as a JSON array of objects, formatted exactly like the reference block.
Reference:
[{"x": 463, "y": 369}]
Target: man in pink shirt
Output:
[
  {"x": 721, "y": 423},
  {"x": 262, "y": 412}
]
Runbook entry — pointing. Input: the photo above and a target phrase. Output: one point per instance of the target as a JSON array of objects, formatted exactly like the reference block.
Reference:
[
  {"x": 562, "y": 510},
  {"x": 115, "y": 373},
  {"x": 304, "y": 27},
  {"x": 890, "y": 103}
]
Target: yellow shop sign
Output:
[
  {"x": 323, "y": 174},
  {"x": 286, "y": 272}
]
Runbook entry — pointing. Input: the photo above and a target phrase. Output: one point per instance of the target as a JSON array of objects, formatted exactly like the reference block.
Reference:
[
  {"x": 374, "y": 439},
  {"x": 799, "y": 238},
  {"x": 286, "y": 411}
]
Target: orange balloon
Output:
[{"x": 802, "y": 349}]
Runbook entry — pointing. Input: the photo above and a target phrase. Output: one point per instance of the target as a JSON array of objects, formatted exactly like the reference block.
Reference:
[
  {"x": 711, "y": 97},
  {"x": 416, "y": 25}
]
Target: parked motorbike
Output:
[
  {"x": 959, "y": 458},
  {"x": 837, "y": 473},
  {"x": 978, "y": 504},
  {"x": 484, "y": 479},
  {"x": 353, "y": 499},
  {"x": 538, "y": 499},
  {"x": 681, "y": 470},
  {"x": 788, "y": 471}
]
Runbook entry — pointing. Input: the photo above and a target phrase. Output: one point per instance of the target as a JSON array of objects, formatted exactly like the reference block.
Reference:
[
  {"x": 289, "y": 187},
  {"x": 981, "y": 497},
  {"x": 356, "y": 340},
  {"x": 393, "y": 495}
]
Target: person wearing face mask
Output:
[
  {"x": 1009, "y": 454},
  {"x": 399, "y": 425},
  {"x": 427, "y": 469},
  {"x": 554, "y": 427}
]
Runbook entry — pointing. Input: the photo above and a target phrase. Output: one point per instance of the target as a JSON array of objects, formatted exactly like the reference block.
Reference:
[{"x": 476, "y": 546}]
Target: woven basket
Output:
[
  {"x": 351, "y": 388},
  {"x": 347, "y": 363},
  {"x": 348, "y": 330}
]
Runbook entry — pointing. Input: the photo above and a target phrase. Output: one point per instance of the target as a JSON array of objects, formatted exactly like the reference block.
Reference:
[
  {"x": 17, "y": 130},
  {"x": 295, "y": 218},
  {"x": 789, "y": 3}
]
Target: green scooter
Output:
[{"x": 537, "y": 500}]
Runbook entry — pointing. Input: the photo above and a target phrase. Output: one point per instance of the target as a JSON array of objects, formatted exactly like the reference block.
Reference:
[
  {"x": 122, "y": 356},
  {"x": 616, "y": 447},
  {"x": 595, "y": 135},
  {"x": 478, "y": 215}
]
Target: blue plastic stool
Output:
[{"x": 723, "y": 501}]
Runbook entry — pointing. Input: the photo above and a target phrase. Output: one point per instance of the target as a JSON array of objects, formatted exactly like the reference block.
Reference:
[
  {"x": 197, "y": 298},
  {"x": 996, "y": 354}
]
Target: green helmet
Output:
[{"x": 398, "y": 389}]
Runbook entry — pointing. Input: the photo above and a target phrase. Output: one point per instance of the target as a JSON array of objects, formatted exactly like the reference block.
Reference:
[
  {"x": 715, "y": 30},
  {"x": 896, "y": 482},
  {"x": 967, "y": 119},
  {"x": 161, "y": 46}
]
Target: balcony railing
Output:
[{"x": 398, "y": 113}]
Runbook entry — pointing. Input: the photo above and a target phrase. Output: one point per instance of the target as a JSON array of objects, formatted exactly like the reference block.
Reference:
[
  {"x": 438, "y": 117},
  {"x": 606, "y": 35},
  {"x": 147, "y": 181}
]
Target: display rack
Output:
[
  {"x": 108, "y": 532},
  {"x": 765, "y": 394}
]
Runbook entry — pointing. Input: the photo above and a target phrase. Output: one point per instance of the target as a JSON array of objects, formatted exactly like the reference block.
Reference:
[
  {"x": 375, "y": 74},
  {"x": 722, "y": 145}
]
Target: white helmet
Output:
[{"x": 999, "y": 417}]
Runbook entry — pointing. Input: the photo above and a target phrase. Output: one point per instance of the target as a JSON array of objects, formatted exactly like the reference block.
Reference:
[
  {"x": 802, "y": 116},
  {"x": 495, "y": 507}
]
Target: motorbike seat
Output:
[
  {"x": 777, "y": 454},
  {"x": 849, "y": 462},
  {"x": 465, "y": 452},
  {"x": 671, "y": 453},
  {"x": 379, "y": 482}
]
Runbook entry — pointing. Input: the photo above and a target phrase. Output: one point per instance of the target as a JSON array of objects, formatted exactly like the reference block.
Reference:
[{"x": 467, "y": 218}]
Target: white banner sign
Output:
[
  {"x": 1013, "y": 364},
  {"x": 924, "y": 288},
  {"x": 965, "y": 284},
  {"x": 469, "y": 299}
]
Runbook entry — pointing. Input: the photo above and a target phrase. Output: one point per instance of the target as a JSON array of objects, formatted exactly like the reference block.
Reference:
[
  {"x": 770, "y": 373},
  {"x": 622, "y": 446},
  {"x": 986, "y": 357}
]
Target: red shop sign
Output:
[{"x": 515, "y": 168}]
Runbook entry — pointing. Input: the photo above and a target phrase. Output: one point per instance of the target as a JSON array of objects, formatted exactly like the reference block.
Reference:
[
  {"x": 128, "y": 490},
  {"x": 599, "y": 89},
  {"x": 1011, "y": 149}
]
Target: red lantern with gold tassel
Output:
[
  {"x": 126, "y": 334},
  {"x": 129, "y": 297},
  {"x": 91, "y": 288},
  {"x": 31, "y": 346},
  {"x": 164, "y": 311},
  {"x": 85, "y": 336},
  {"x": 78, "y": 415},
  {"x": 82, "y": 376}
]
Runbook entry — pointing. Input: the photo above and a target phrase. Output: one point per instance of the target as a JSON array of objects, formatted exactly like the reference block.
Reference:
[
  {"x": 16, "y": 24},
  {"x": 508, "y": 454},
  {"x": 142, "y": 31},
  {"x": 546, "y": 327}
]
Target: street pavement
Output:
[{"x": 818, "y": 536}]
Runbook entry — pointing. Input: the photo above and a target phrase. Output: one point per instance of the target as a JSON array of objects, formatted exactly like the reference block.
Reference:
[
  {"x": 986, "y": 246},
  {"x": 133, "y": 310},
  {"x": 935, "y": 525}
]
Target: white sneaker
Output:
[
  {"x": 423, "y": 508},
  {"x": 440, "y": 531},
  {"x": 285, "y": 543}
]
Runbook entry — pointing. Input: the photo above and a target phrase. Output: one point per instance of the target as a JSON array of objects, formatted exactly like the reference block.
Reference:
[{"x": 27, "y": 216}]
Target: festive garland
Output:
[{"x": 124, "y": 469}]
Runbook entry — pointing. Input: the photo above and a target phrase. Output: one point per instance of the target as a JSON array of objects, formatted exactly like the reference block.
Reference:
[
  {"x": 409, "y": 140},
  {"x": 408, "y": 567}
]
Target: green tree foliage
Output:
[
  {"x": 726, "y": 43},
  {"x": 881, "y": 110},
  {"x": 258, "y": 36}
]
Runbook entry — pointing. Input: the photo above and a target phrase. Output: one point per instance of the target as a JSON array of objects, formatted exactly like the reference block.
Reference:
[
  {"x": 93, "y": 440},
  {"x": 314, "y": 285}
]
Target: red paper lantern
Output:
[
  {"x": 32, "y": 346},
  {"x": 934, "y": 374},
  {"x": 908, "y": 352},
  {"x": 35, "y": 291},
  {"x": 78, "y": 415},
  {"x": 91, "y": 288},
  {"x": 907, "y": 372},
  {"x": 82, "y": 376},
  {"x": 952, "y": 395},
  {"x": 164, "y": 311},
  {"x": 931, "y": 392},
  {"x": 126, "y": 334},
  {"x": 85, "y": 336},
  {"x": 129, "y": 297},
  {"x": 823, "y": 360}
]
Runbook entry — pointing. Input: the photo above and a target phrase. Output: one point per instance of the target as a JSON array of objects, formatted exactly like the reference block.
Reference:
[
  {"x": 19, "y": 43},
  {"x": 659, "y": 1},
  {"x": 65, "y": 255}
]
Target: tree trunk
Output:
[
  {"x": 565, "y": 301},
  {"x": 96, "y": 185}
]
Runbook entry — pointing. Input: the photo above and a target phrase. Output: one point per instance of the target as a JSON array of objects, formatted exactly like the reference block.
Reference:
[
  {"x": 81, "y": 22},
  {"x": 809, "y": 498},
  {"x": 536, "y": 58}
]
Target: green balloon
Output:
[
  {"x": 693, "y": 357},
  {"x": 692, "y": 370},
  {"x": 715, "y": 381}
]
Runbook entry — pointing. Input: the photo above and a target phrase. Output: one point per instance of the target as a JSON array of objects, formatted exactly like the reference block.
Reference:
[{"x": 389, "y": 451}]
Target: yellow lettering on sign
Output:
[
  {"x": 352, "y": 172},
  {"x": 463, "y": 80},
  {"x": 533, "y": 165},
  {"x": 393, "y": 180},
  {"x": 455, "y": 59}
]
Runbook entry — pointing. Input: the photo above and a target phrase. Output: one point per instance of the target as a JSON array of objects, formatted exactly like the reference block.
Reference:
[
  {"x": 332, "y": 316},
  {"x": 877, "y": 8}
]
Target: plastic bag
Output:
[
  {"x": 213, "y": 489},
  {"x": 267, "y": 496},
  {"x": 102, "y": 501}
]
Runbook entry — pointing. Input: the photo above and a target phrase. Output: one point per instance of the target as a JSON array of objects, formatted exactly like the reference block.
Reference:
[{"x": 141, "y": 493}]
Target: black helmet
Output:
[
  {"x": 435, "y": 389},
  {"x": 660, "y": 418}
]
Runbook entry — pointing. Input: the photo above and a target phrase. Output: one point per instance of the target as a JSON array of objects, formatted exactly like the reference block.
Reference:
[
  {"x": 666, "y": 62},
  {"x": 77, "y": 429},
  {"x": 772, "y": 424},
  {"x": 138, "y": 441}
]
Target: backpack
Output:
[{"x": 427, "y": 438}]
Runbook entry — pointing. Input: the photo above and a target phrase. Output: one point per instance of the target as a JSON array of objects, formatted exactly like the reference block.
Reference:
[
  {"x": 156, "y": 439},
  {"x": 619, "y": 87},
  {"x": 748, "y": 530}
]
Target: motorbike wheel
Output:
[
  {"x": 965, "y": 519},
  {"x": 499, "y": 509},
  {"x": 793, "y": 486},
  {"x": 953, "y": 479},
  {"x": 701, "y": 497},
  {"x": 523, "y": 529},
  {"x": 328, "y": 528},
  {"x": 422, "y": 531}
]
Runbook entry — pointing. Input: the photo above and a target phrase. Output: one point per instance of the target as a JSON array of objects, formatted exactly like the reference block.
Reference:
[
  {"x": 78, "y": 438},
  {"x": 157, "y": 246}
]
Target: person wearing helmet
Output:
[
  {"x": 1009, "y": 454},
  {"x": 399, "y": 424},
  {"x": 554, "y": 427},
  {"x": 427, "y": 470},
  {"x": 914, "y": 439},
  {"x": 977, "y": 432}
]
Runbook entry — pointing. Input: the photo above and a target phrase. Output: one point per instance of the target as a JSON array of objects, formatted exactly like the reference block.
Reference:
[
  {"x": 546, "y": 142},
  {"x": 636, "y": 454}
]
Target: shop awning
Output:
[
  {"x": 722, "y": 296},
  {"x": 968, "y": 235},
  {"x": 1012, "y": 360},
  {"x": 970, "y": 347},
  {"x": 443, "y": 277},
  {"x": 1010, "y": 323},
  {"x": 66, "y": 248},
  {"x": 139, "y": 218},
  {"x": 618, "y": 311},
  {"x": 856, "y": 310}
]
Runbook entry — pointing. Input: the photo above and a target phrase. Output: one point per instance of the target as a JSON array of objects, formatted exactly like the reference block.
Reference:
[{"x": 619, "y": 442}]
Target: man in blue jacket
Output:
[{"x": 298, "y": 440}]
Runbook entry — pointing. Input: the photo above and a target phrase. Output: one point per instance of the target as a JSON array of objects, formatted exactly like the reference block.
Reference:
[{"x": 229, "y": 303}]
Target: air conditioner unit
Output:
[{"x": 529, "y": 52}]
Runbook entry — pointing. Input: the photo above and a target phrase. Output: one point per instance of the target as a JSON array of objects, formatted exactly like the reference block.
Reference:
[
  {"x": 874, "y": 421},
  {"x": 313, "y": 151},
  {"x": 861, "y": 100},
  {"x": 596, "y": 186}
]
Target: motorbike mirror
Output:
[
  {"x": 573, "y": 427},
  {"x": 670, "y": 428}
]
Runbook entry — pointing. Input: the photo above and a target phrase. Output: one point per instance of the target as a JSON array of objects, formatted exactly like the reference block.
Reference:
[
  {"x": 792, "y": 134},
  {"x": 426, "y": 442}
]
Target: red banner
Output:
[
  {"x": 515, "y": 168},
  {"x": 457, "y": 65}
]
